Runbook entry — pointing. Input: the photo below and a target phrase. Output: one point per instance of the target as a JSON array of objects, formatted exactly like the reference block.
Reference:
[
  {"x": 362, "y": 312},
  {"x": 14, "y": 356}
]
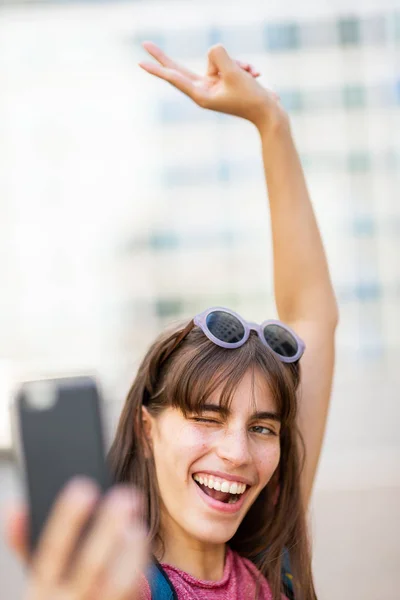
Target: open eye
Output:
[{"x": 263, "y": 430}]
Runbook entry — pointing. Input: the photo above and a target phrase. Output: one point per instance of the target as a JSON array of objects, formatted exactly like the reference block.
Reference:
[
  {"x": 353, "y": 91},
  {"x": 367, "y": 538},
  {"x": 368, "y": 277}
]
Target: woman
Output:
[{"x": 217, "y": 430}]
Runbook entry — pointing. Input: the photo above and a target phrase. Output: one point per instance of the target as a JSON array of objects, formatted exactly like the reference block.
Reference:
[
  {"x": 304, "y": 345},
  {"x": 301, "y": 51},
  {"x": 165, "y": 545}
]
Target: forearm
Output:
[{"x": 303, "y": 288}]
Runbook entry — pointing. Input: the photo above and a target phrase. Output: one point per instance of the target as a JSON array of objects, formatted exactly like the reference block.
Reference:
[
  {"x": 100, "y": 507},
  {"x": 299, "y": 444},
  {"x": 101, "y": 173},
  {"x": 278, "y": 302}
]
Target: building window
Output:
[
  {"x": 292, "y": 100},
  {"x": 349, "y": 31},
  {"x": 281, "y": 37},
  {"x": 168, "y": 308},
  {"x": 354, "y": 96},
  {"x": 359, "y": 162},
  {"x": 163, "y": 240},
  {"x": 368, "y": 291},
  {"x": 364, "y": 226}
]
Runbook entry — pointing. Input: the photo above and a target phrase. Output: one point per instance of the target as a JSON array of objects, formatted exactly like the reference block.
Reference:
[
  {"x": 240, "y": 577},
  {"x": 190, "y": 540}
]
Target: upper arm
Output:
[{"x": 317, "y": 366}]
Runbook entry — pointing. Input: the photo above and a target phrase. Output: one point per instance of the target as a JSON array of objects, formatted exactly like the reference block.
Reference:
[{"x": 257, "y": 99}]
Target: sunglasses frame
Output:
[{"x": 201, "y": 321}]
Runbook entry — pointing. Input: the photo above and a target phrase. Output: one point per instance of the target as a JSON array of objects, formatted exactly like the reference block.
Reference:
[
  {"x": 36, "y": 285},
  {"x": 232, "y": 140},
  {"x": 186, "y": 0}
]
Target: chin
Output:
[{"x": 213, "y": 532}]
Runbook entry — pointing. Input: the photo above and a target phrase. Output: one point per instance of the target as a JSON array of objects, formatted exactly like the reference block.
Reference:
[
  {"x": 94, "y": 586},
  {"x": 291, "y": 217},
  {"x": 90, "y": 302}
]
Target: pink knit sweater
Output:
[{"x": 238, "y": 582}]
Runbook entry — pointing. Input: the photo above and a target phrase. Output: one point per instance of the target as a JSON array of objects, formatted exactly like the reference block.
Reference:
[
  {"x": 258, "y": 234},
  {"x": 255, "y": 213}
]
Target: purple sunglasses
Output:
[{"x": 229, "y": 330}]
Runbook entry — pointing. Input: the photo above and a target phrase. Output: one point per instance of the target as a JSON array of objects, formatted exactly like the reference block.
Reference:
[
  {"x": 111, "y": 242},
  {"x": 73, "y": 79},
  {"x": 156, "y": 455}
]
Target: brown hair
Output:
[{"x": 184, "y": 379}]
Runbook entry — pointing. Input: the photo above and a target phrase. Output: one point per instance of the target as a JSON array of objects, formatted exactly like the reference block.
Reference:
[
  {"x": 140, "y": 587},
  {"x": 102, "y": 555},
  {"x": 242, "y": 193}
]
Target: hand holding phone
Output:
[
  {"x": 87, "y": 541},
  {"x": 110, "y": 559}
]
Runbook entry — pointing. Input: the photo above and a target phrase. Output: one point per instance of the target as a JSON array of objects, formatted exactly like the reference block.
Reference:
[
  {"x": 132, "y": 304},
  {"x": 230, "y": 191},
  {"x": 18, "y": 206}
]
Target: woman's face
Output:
[{"x": 211, "y": 467}]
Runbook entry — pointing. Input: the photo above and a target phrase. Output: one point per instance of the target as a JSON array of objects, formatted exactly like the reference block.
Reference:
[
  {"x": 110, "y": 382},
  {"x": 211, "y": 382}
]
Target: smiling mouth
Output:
[{"x": 225, "y": 497}]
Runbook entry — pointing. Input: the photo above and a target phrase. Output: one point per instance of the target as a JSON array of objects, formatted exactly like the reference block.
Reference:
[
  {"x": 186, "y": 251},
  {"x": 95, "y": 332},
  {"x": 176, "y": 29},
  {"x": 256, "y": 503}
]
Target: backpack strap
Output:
[
  {"x": 287, "y": 577},
  {"x": 286, "y": 574},
  {"x": 159, "y": 582}
]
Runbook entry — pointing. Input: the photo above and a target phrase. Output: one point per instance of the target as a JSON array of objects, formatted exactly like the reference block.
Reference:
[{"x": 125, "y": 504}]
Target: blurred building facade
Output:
[{"x": 124, "y": 207}]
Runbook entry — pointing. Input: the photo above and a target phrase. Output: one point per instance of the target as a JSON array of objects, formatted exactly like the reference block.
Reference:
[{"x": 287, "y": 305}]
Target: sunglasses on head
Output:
[{"x": 227, "y": 329}]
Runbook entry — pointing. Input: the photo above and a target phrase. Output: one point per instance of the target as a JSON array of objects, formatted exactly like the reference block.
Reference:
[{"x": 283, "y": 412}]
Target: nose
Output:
[{"x": 233, "y": 447}]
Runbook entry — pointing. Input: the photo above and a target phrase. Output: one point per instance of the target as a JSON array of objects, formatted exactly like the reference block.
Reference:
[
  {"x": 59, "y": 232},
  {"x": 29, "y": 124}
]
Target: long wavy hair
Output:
[{"x": 184, "y": 378}]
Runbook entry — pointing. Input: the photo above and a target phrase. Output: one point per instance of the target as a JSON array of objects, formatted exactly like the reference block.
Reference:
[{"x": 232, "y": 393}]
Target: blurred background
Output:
[{"x": 124, "y": 207}]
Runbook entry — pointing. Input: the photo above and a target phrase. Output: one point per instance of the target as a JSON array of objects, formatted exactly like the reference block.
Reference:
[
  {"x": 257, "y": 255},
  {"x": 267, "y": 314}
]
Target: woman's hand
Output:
[
  {"x": 110, "y": 560},
  {"x": 229, "y": 86}
]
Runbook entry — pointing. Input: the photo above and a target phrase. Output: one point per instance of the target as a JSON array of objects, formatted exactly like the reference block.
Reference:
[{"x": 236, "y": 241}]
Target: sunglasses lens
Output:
[
  {"x": 281, "y": 341},
  {"x": 225, "y": 327}
]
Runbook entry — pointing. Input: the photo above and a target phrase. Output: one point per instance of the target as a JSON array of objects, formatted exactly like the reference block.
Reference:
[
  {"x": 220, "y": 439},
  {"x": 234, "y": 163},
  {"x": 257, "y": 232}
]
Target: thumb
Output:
[
  {"x": 220, "y": 61},
  {"x": 16, "y": 531}
]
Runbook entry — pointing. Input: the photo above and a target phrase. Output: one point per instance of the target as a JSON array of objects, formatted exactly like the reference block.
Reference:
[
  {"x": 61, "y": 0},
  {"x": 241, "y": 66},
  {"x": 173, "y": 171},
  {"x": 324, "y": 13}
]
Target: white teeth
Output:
[
  {"x": 234, "y": 488},
  {"x": 225, "y": 486},
  {"x": 220, "y": 485}
]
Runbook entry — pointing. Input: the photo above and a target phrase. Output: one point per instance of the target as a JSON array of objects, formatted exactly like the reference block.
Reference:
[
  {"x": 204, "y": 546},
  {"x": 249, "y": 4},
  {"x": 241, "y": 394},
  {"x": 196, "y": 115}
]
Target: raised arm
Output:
[{"x": 304, "y": 295}]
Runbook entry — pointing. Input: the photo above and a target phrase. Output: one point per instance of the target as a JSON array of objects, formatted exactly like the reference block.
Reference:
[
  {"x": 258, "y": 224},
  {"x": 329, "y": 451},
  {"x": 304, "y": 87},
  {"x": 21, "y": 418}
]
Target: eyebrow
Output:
[{"x": 268, "y": 415}]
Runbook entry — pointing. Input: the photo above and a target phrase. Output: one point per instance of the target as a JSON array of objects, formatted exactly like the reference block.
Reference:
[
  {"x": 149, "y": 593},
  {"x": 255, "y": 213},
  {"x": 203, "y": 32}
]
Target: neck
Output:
[{"x": 203, "y": 561}]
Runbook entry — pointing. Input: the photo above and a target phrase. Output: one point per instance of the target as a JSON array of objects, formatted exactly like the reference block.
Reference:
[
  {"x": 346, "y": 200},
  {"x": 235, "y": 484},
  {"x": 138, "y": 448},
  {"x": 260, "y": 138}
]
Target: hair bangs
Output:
[
  {"x": 192, "y": 377},
  {"x": 191, "y": 380},
  {"x": 283, "y": 381}
]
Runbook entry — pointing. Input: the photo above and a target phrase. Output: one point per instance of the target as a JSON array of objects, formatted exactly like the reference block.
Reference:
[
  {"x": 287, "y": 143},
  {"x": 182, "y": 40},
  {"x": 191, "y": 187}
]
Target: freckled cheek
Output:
[
  {"x": 184, "y": 449},
  {"x": 194, "y": 446},
  {"x": 266, "y": 464}
]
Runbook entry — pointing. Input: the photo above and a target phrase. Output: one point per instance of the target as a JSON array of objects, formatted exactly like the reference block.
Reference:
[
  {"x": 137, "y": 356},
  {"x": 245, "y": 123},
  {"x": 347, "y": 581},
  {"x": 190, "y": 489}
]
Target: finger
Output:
[
  {"x": 126, "y": 572},
  {"x": 255, "y": 72},
  {"x": 167, "y": 62},
  {"x": 115, "y": 516},
  {"x": 173, "y": 77},
  {"x": 220, "y": 59},
  {"x": 16, "y": 530},
  {"x": 65, "y": 525},
  {"x": 248, "y": 68},
  {"x": 243, "y": 65},
  {"x": 251, "y": 71}
]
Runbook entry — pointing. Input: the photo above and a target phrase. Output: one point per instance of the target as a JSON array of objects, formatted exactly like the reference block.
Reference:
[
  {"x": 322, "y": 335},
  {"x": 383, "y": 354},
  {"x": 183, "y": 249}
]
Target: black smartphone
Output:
[{"x": 59, "y": 434}]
